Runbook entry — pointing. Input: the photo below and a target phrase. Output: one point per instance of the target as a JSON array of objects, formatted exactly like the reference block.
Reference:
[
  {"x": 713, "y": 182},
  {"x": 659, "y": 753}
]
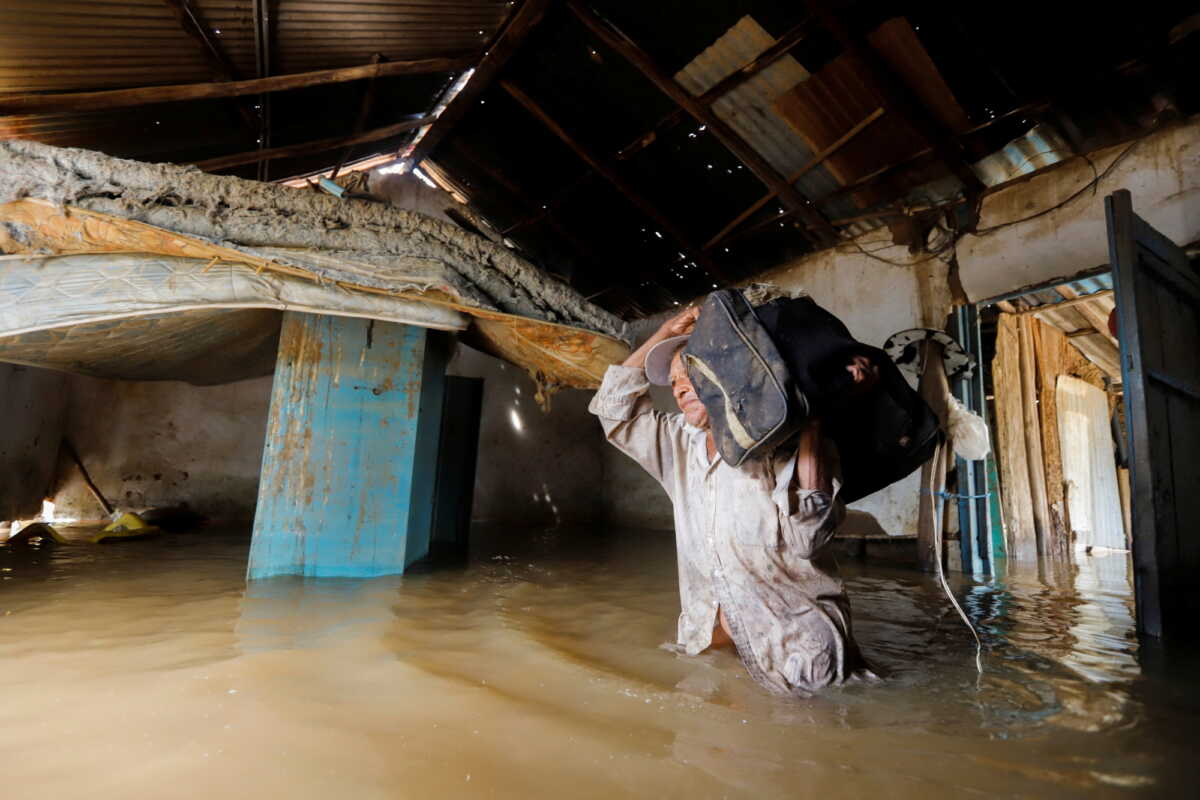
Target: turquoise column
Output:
[{"x": 349, "y": 463}]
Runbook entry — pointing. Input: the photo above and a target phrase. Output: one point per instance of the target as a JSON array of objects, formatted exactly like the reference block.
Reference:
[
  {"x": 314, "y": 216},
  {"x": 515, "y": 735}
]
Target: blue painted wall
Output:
[{"x": 350, "y": 456}]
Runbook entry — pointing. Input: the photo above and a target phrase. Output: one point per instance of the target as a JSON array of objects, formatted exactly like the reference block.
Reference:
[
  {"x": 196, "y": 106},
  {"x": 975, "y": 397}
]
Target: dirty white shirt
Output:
[{"x": 748, "y": 542}]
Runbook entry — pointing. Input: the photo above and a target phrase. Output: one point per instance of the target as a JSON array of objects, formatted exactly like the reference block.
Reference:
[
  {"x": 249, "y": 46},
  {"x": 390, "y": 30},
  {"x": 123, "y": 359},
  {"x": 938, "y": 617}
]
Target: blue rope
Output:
[{"x": 953, "y": 496}]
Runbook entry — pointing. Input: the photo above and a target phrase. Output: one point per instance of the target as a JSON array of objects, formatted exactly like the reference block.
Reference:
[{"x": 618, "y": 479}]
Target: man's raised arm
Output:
[{"x": 626, "y": 413}]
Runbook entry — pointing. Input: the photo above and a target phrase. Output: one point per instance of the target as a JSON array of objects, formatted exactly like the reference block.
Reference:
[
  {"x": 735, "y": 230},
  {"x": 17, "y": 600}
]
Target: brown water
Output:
[{"x": 149, "y": 670}]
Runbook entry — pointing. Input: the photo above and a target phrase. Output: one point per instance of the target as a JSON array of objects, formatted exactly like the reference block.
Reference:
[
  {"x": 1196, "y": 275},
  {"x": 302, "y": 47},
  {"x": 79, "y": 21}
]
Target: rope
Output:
[
  {"x": 937, "y": 545},
  {"x": 953, "y": 496}
]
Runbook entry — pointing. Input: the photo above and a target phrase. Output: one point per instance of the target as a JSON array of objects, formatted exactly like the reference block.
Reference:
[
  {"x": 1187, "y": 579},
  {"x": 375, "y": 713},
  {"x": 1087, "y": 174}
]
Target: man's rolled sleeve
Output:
[{"x": 619, "y": 393}]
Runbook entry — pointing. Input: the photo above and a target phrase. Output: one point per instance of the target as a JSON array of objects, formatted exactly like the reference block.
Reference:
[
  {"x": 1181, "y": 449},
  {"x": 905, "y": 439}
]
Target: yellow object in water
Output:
[
  {"x": 36, "y": 530},
  {"x": 126, "y": 526}
]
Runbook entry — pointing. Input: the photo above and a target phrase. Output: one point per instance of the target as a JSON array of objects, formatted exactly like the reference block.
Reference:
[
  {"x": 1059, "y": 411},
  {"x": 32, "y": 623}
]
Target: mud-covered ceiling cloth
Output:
[{"x": 371, "y": 245}]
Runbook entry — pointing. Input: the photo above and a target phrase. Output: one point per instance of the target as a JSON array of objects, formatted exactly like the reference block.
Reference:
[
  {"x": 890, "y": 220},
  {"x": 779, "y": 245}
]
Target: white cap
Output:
[{"x": 658, "y": 360}]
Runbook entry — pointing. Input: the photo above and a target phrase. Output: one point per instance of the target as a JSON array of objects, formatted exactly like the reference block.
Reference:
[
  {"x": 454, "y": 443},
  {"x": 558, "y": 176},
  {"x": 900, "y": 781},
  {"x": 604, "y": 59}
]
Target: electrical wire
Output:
[{"x": 954, "y": 236}]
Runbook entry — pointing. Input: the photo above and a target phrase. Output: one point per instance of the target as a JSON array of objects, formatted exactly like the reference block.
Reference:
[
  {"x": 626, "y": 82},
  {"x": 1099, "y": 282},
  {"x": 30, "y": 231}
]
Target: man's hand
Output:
[{"x": 681, "y": 324}]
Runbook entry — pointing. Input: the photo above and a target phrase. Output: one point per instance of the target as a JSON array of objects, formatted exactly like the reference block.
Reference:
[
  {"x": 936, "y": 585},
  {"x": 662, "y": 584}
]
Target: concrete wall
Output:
[
  {"x": 534, "y": 468},
  {"x": 1162, "y": 172},
  {"x": 165, "y": 442},
  {"x": 32, "y": 411},
  {"x": 154, "y": 443}
]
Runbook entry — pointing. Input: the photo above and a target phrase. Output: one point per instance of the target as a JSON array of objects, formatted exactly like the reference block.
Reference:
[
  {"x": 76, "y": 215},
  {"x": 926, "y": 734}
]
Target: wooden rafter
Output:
[
  {"x": 1072, "y": 299},
  {"x": 218, "y": 61},
  {"x": 900, "y": 100},
  {"x": 733, "y": 80},
  {"x": 754, "y": 161},
  {"x": 681, "y": 238},
  {"x": 264, "y": 27},
  {"x": 812, "y": 164},
  {"x": 522, "y": 201},
  {"x": 309, "y": 148},
  {"x": 194, "y": 27},
  {"x": 520, "y": 23},
  {"x": 125, "y": 98},
  {"x": 360, "y": 122}
]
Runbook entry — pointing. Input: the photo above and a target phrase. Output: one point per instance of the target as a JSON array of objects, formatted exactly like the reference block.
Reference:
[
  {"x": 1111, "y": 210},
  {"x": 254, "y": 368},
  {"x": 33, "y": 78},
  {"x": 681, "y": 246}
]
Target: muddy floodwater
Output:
[{"x": 150, "y": 669}]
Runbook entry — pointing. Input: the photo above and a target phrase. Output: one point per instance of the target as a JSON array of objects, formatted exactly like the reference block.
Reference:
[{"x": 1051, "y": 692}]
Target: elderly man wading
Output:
[{"x": 750, "y": 539}]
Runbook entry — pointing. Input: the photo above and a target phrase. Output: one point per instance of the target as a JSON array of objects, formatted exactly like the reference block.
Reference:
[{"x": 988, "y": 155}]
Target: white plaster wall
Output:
[{"x": 1162, "y": 172}]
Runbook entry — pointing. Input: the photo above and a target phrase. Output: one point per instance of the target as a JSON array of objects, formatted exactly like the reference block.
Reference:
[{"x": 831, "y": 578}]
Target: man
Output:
[{"x": 750, "y": 539}]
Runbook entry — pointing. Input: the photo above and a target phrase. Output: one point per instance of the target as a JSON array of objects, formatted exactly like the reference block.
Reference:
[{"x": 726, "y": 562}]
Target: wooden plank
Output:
[
  {"x": 1033, "y": 438},
  {"x": 309, "y": 148},
  {"x": 745, "y": 153},
  {"x": 351, "y": 445},
  {"x": 125, "y": 98},
  {"x": 1015, "y": 493},
  {"x": 1050, "y": 347},
  {"x": 681, "y": 237},
  {"x": 518, "y": 27}
]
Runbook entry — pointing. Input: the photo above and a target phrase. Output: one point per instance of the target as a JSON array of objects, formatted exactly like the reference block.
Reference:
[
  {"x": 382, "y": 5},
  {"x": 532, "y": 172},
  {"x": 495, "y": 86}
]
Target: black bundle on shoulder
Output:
[{"x": 762, "y": 368}]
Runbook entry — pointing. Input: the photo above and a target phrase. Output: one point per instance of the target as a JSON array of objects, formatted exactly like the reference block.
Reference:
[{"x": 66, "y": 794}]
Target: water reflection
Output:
[{"x": 538, "y": 669}]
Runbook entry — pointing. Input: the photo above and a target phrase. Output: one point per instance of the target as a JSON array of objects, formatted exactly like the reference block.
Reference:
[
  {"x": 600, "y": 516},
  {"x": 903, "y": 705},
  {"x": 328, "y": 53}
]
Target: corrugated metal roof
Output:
[
  {"x": 63, "y": 45},
  {"x": 1040, "y": 147},
  {"x": 1084, "y": 286},
  {"x": 750, "y": 108},
  {"x": 322, "y": 34}
]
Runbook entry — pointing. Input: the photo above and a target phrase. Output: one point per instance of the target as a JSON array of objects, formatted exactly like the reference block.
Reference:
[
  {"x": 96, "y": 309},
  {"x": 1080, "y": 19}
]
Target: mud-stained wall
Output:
[
  {"x": 165, "y": 442},
  {"x": 32, "y": 406},
  {"x": 155, "y": 443},
  {"x": 534, "y": 468}
]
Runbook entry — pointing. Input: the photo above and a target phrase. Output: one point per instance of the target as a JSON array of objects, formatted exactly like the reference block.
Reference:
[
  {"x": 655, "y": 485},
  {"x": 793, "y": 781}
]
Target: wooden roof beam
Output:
[
  {"x": 745, "y": 153},
  {"x": 518, "y": 27},
  {"x": 899, "y": 98},
  {"x": 766, "y": 58},
  {"x": 223, "y": 69},
  {"x": 523, "y": 202},
  {"x": 685, "y": 243},
  {"x": 192, "y": 25},
  {"x": 313, "y": 147},
  {"x": 126, "y": 98},
  {"x": 812, "y": 164}
]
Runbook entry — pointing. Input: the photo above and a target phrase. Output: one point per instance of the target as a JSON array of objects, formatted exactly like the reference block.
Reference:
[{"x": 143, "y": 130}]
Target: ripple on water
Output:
[{"x": 539, "y": 668}]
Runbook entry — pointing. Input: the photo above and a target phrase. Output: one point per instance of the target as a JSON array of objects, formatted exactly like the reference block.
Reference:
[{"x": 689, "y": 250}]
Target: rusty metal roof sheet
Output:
[{"x": 750, "y": 108}]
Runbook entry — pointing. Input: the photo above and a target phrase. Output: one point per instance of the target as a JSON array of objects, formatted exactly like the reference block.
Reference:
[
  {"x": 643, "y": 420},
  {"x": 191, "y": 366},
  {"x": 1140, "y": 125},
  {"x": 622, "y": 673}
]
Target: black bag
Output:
[{"x": 761, "y": 371}]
